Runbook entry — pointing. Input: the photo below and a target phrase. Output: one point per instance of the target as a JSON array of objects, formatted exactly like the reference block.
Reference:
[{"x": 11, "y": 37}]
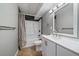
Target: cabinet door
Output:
[
  {"x": 51, "y": 48},
  {"x": 43, "y": 46},
  {"x": 64, "y": 52},
  {"x": 48, "y": 48}
]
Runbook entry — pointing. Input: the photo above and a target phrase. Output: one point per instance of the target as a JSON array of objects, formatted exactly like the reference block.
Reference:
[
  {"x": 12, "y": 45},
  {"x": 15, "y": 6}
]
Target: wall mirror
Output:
[{"x": 66, "y": 20}]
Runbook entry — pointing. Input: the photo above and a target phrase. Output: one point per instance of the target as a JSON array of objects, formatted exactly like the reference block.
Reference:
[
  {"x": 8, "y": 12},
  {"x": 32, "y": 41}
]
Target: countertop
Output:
[{"x": 69, "y": 43}]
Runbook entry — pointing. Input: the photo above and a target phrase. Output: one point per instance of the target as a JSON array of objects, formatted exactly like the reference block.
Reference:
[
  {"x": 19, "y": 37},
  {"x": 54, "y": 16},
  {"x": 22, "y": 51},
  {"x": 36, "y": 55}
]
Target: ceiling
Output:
[
  {"x": 35, "y": 9},
  {"x": 30, "y": 8},
  {"x": 45, "y": 8}
]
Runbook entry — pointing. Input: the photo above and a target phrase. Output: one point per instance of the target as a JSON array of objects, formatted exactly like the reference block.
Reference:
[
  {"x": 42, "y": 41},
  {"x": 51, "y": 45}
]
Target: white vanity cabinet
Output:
[
  {"x": 61, "y": 51},
  {"x": 48, "y": 48},
  {"x": 55, "y": 47}
]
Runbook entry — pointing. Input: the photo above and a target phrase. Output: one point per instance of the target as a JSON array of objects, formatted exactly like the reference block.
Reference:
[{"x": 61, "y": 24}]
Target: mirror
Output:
[{"x": 63, "y": 19}]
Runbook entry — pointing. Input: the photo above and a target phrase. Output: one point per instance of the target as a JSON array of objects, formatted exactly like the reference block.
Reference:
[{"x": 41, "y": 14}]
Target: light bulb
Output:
[{"x": 50, "y": 11}]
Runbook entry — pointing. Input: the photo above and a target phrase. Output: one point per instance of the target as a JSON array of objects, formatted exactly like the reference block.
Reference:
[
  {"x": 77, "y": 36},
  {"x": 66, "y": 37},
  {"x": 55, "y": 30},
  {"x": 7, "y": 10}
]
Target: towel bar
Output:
[{"x": 7, "y": 28}]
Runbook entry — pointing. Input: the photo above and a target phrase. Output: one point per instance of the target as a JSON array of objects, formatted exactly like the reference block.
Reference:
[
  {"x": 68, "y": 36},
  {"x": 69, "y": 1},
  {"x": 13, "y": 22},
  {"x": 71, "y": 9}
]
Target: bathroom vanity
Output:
[
  {"x": 65, "y": 38},
  {"x": 59, "y": 46}
]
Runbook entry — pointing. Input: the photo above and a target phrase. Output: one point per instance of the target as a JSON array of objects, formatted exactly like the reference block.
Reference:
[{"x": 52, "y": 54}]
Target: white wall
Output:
[
  {"x": 47, "y": 23},
  {"x": 8, "y": 38}
]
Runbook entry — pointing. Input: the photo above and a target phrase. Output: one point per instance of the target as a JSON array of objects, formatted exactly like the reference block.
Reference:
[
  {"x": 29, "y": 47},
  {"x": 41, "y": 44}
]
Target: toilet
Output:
[{"x": 36, "y": 43}]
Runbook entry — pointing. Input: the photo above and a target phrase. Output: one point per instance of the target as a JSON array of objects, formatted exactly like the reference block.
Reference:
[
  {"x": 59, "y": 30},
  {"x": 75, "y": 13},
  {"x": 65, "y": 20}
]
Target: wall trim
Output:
[{"x": 16, "y": 52}]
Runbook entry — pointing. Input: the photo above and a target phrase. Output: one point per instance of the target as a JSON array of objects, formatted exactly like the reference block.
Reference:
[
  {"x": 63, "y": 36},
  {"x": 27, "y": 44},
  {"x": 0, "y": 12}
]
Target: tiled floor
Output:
[{"x": 29, "y": 52}]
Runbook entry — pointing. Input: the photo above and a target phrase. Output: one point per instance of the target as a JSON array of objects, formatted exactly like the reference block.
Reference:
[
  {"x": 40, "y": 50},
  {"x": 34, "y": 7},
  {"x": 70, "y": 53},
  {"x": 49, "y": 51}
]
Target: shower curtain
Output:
[{"x": 22, "y": 31}]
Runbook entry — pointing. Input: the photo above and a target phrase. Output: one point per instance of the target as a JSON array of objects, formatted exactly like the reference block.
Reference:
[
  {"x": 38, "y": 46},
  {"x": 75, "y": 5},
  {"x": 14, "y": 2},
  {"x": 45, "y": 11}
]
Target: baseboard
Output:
[{"x": 16, "y": 52}]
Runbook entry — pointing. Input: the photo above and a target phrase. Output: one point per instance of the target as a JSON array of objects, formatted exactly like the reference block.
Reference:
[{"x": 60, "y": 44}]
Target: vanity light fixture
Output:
[
  {"x": 60, "y": 4},
  {"x": 55, "y": 8},
  {"x": 50, "y": 11}
]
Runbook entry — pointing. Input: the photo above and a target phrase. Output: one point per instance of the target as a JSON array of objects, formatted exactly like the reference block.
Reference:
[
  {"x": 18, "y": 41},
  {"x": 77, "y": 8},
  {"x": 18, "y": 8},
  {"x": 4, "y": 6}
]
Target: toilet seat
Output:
[{"x": 37, "y": 42}]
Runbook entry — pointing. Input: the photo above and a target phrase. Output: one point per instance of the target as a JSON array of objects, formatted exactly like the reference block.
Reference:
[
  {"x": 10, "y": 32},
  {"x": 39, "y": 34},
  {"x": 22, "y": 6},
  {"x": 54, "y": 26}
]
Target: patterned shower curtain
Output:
[{"x": 21, "y": 31}]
